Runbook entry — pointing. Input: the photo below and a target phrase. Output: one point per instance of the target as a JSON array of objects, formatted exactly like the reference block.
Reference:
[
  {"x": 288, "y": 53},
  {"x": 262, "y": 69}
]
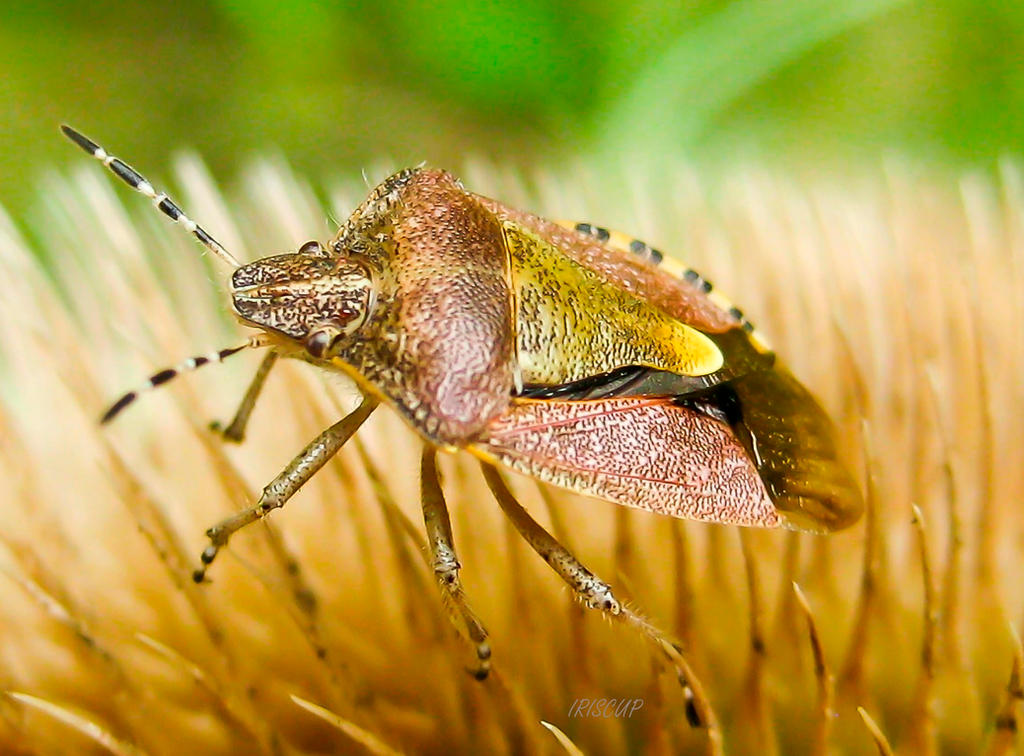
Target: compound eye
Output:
[
  {"x": 312, "y": 248},
  {"x": 320, "y": 340}
]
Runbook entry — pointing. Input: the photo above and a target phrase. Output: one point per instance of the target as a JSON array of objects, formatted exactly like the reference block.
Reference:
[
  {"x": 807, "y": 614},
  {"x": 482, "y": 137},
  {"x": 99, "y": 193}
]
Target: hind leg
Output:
[{"x": 597, "y": 594}]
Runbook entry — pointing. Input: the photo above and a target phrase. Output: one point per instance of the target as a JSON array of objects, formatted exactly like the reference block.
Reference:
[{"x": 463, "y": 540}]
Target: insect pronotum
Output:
[{"x": 572, "y": 354}]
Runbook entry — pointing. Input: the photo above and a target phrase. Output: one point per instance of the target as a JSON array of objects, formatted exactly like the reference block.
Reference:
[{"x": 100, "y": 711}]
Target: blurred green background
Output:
[{"x": 337, "y": 87}]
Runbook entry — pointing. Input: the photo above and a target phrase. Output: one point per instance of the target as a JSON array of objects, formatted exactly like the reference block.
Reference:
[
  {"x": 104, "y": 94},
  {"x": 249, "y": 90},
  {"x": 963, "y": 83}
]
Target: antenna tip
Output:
[
  {"x": 116, "y": 407},
  {"x": 80, "y": 139}
]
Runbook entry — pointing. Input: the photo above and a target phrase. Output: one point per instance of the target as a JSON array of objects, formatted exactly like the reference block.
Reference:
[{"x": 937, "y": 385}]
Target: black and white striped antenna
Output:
[
  {"x": 163, "y": 376},
  {"x": 164, "y": 204},
  {"x": 161, "y": 201}
]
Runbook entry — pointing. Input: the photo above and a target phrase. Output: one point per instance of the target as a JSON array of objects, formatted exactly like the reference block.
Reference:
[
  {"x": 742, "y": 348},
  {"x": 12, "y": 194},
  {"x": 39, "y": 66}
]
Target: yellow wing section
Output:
[{"x": 571, "y": 324}]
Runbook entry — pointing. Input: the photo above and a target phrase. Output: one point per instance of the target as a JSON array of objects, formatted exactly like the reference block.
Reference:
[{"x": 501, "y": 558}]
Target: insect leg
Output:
[
  {"x": 591, "y": 590},
  {"x": 445, "y": 562},
  {"x": 235, "y": 431},
  {"x": 594, "y": 592},
  {"x": 280, "y": 489}
]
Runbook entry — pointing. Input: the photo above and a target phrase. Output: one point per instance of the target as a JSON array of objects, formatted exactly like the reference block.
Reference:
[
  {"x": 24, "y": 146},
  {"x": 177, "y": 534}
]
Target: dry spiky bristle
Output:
[{"x": 899, "y": 300}]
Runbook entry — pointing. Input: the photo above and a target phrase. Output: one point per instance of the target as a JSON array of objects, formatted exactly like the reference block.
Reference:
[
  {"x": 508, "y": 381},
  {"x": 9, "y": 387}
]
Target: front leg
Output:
[
  {"x": 280, "y": 489},
  {"x": 235, "y": 431}
]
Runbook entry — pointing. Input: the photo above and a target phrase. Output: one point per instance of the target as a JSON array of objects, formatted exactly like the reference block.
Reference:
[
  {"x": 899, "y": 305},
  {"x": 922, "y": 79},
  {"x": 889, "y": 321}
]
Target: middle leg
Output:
[{"x": 445, "y": 562}]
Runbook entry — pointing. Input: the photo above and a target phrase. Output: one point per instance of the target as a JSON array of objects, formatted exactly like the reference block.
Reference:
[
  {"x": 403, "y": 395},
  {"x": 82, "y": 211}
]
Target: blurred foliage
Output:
[{"x": 340, "y": 86}]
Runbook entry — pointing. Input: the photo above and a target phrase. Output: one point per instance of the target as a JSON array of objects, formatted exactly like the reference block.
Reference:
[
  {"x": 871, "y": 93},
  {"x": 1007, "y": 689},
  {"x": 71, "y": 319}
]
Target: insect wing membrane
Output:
[
  {"x": 649, "y": 453},
  {"x": 791, "y": 440}
]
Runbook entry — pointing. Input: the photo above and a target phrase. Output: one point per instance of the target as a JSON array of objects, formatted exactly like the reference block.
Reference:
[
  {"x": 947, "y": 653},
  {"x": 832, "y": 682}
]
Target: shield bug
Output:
[{"x": 575, "y": 355}]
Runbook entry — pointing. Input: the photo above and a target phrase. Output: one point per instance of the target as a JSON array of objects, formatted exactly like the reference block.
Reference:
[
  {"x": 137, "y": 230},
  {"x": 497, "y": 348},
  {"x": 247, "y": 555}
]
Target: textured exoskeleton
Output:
[
  {"x": 554, "y": 352},
  {"x": 562, "y": 351}
]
